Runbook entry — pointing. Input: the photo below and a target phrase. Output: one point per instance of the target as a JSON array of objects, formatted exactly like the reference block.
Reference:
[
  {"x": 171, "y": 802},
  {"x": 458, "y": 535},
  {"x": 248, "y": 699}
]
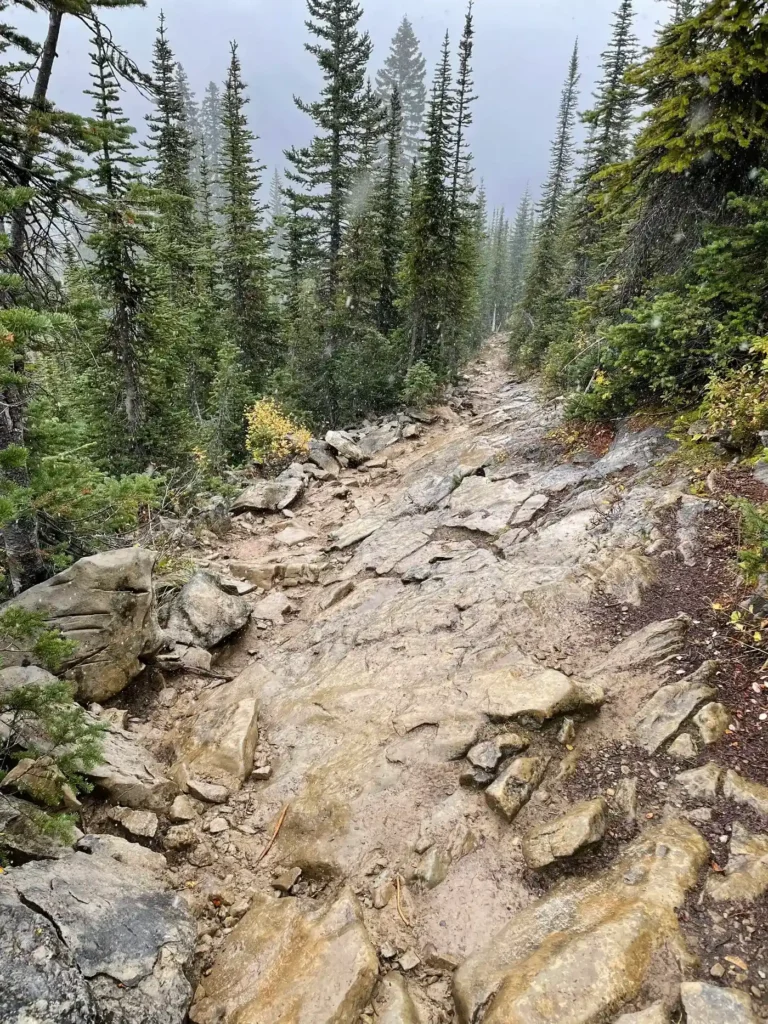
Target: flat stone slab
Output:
[
  {"x": 748, "y": 794},
  {"x": 584, "y": 825},
  {"x": 746, "y": 877},
  {"x": 701, "y": 784},
  {"x": 283, "y": 964},
  {"x": 710, "y": 1004},
  {"x": 537, "y": 698},
  {"x": 656, "y": 1014},
  {"x": 589, "y": 945},
  {"x": 665, "y": 712},
  {"x": 269, "y": 495}
]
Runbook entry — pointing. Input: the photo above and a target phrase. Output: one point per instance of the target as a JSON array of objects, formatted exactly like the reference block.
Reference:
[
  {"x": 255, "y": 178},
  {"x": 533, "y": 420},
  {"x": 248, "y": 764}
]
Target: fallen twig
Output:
[{"x": 275, "y": 834}]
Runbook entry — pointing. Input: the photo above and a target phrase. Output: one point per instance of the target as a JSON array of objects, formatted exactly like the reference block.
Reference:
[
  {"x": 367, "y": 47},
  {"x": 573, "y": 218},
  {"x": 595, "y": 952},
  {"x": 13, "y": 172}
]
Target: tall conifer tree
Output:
[
  {"x": 322, "y": 174},
  {"x": 406, "y": 70},
  {"x": 245, "y": 256}
]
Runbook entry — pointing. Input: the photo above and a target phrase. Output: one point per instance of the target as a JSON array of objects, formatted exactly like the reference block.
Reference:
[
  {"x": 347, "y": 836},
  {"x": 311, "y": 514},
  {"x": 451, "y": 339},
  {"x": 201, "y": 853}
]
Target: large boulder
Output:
[
  {"x": 202, "y": 614},
  {"x": 283, "y": 964},
  {"x": 105, "y": 604},
  {"x": 586, "y": 949},
  {"x": 269, "y": 495},
  {"x": 345, "y": 446},
  {"x": 129, "y": 775},
  {"x": 92, "y": 938}
]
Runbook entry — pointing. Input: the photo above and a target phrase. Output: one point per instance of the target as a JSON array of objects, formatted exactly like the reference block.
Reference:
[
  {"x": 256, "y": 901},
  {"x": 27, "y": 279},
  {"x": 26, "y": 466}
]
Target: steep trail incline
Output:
[{"x": 443, "y": 725}]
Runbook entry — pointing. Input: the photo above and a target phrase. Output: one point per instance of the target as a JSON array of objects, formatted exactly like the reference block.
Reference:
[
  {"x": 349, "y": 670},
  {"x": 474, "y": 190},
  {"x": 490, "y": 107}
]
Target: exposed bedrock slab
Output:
[
  {"x": 709, "y": 1004},
  {"x": 585, "y": 949}
]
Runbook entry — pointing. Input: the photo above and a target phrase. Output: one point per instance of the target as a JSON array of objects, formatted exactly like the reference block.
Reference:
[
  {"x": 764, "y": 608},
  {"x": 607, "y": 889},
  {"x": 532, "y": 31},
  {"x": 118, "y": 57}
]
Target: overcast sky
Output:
[{"x": 521, "y": 53}]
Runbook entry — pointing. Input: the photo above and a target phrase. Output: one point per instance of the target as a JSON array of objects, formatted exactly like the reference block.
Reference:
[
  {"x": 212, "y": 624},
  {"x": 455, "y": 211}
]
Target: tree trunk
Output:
[
  {"x": 20, "y": 538},
  {"x": 26, "y": 162}
]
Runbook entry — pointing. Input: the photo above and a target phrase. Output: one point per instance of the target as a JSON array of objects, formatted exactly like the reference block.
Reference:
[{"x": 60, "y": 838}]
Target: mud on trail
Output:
[{"x": 483, "y": 785}]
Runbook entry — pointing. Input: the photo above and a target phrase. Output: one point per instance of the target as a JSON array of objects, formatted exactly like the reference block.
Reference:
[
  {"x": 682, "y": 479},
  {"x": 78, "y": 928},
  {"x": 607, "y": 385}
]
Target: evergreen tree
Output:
[
  {"x": 120, "y": 276},
  {"x": 405, "y": 70},
  {"x": 192, "y": 121},
  {"x": 520, "y": 241},
  {"x": 540, "y": 316},
  {"x": 429, "y": 231},
  {"x": 322, "y": 175},
  {"x": 245, "y": 256},
  {"x": 388, "y": 220},
  {"x": 276, "y": 217},
  {"x": 210, "y": 130}
]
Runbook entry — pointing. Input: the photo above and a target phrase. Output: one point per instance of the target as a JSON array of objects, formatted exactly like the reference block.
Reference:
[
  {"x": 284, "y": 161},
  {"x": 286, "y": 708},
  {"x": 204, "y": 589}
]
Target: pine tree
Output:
[
  {"x": 245, "y": 257},
  {"x": 322, "y": 175},
  {"x": 406, "y": 70}
]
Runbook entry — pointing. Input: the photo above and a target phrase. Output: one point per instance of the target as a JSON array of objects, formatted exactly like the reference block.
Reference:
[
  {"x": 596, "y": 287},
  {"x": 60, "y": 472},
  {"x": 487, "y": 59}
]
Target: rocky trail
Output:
[{"x": 432, "y": 741}]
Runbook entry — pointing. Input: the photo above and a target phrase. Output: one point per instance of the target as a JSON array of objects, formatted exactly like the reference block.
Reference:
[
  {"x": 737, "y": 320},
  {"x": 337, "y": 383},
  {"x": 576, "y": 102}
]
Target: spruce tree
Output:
[
  {"x": 427, "y": 278},
  {"x": 539, "y": 319},
  {"x": 388, "y": 220},
  {"x": 276, "y": 217},
  {"x": 520, "y": 241},
  {"x": 322, "y": 174},
  {"x": 245, "y": 255},
  {"x": 192, "y": 121},
  {"x": 210, "y": 130},
  {"x": 120, "y": 276},
  {"x": 406, "y": 71}
]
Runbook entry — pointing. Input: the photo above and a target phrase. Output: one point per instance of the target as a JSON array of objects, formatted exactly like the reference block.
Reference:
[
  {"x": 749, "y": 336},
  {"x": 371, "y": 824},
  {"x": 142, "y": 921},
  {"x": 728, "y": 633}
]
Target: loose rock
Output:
[
  {"x": 516, "y": 785},
  {"x": 746, "y": 877},
  {"x": 749, "y": 794},
  {"x": 709, "y": 1004},
  {"x": 656, "y": 1014},
  {"x": 712, "y": 722},
  {"x": 269, "y": 495},
  {"x": 138, "y": 823},
  {"x": 666, "y": 711},
  {"x": 583, "y": 825},
  {"x": 537, "y": 698},
  {"x": 202, "y": 614}
]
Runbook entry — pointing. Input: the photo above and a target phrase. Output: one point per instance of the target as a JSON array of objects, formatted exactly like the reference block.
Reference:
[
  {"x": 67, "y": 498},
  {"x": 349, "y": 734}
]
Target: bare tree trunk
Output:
[
  {"x": 20, "y": 537},
  {"x": 26, "y": 163}
]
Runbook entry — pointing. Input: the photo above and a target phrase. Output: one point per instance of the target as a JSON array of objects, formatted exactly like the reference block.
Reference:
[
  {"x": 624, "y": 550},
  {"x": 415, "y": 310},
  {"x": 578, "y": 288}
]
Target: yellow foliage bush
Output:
[{"x": 273, "y": 438}]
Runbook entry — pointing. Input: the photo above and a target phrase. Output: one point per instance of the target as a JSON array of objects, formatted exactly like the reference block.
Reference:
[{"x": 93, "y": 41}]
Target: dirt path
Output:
[{"x": 435, "y": 693}]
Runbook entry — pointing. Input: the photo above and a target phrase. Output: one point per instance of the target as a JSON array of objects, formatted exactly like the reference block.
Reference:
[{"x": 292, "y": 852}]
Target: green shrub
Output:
[
  {"x": 421, "y": 385},
  {"x": 736, "y": 406}
]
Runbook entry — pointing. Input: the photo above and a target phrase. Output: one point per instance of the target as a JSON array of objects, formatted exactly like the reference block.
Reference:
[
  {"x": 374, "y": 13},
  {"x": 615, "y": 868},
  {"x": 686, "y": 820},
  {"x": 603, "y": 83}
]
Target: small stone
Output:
[
  {"x": 700, "y": 815},
  {"x": 485, "y": 755},
  {"x": 684, "y": 748},
  {"x": 433, "y": 868},
  {"x": 516, "y": 785},
  {"x": 138, "y": 823},
  {"x": 712, "y": 722},
  {"x": 208, "y": 792},
  {"x": 746, "y": 878},
  {"x": 183, "y": 809},
  {"x": 388, "y": 951},
  {"x": 717, "y": 971},
  {"x": 567, "y": 734},
  {"x": 409, "y": 960},
  {"x": 180, "y": 836},
  {"x": 218, "y": 825},
  {"x": 201, "y": 857},
  {"x": 262, "y": 774},
  {"x": 512, "y": 742},
  {"x": 625, "y": 798},
  {"x": 656, "y": 1014},
  {"x": 285, "y": 881},
  {"x": 749, "y": 794},
  {"x": 382, "y": 895},
  {"x": 476, "y": 778}
]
